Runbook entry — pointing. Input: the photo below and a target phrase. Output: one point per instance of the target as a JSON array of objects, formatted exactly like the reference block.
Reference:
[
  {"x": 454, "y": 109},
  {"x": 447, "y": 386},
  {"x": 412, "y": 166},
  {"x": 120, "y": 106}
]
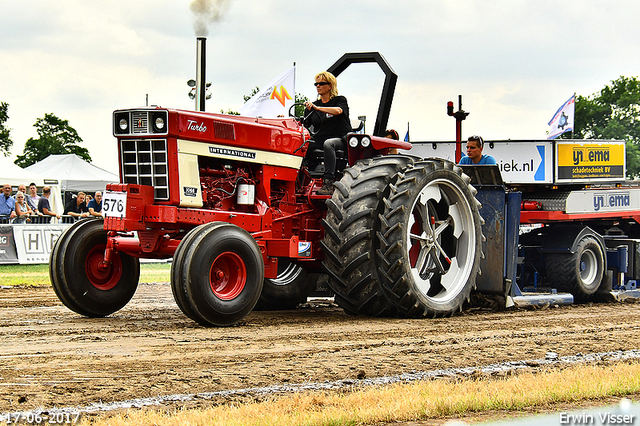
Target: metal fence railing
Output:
[{"x": 38, "y": 219}]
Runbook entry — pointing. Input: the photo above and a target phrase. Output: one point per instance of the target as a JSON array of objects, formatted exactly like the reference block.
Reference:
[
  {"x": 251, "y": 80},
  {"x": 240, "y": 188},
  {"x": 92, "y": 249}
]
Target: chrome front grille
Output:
[
  {"x": 144, "y": 162},
  {"x": 140, "y": 122}
]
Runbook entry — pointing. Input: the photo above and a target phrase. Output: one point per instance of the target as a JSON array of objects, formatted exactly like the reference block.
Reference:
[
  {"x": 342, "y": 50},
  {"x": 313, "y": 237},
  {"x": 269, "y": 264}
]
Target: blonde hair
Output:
[{"x": 331, "y": 79}]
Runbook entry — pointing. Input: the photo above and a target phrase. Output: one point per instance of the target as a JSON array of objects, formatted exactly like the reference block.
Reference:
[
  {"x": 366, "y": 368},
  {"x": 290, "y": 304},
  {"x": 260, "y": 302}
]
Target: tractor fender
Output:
[{"x": 565, "y": 238}]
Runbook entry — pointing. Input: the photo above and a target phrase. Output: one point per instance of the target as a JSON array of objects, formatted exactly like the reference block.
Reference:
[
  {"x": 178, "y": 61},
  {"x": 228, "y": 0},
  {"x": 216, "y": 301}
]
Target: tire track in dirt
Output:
[{"x": 50, "y": 356}]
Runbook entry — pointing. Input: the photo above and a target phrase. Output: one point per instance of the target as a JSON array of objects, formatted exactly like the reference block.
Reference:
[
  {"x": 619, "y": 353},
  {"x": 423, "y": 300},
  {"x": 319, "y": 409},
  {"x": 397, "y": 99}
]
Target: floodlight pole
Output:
[{"x": 459, "y": 115}]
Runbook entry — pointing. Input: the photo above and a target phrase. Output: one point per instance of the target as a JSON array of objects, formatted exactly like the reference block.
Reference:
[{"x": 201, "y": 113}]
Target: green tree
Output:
[
  {"x": 5, "y": 139},
  {"x": 250, "y": 95},
  {"x": 55, "y": 136},
  {"x": 612, "y": 113},
  {"x": 300, "y": 108}
]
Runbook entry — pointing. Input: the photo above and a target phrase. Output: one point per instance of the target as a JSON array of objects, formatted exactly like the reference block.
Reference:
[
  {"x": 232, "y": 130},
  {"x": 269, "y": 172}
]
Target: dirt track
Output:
[{"x": 52, "y": 357}]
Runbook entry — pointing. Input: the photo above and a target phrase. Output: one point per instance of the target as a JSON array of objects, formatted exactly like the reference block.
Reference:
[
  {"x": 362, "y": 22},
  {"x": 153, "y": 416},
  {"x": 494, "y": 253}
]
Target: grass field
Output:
[
  {"x": 481, "y": 399},
  {"x": 485, "y": 398},
  {"x": 36, "y": 275}
]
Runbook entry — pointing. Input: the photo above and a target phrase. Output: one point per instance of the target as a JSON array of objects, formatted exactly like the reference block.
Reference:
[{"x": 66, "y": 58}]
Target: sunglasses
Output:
[
  {"x": 477, "y": 139},
  {"x": 320, "y": 83}
]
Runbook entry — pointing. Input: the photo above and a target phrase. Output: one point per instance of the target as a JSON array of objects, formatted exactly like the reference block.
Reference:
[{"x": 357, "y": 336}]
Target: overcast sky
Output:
[{"x": 514, "y": 62}]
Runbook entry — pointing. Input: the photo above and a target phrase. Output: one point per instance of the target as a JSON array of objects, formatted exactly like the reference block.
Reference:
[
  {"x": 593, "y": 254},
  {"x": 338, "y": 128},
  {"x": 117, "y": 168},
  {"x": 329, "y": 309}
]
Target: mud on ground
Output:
[{"x": 51, "y": 357}]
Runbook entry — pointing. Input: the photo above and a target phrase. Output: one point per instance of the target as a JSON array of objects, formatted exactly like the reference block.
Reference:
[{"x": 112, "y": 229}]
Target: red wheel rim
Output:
[
  {"x": 414, "y": 249},
  {"x": 101, "y": 275},
  {"x": 228, "y": 276}
]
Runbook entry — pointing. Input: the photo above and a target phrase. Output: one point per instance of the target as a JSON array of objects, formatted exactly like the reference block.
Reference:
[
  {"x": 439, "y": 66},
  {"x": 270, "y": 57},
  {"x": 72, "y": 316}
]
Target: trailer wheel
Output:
[
  {"x": 579, "y": 273},
  {"x": 222, "y": 273},
  {"x": 350, "y": 234},
  {"x": 288, "y": 290},
  {"x": 430, "y": 241},
  {"x": 81, "y": 280}
]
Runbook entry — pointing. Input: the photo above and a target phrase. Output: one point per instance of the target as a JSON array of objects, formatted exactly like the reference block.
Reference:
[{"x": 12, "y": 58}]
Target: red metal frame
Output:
[
  {"x": 287, "y": 210},
  {"x": 540, "y": 216}
]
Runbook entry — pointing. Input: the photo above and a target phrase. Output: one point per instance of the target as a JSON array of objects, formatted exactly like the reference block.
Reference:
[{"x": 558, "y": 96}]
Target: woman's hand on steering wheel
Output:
[{"x": 307, "y": 116}]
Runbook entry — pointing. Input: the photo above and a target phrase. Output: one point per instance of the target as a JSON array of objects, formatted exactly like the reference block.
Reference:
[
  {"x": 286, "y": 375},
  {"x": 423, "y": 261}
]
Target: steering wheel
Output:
[{"x": 311, "y": 119}]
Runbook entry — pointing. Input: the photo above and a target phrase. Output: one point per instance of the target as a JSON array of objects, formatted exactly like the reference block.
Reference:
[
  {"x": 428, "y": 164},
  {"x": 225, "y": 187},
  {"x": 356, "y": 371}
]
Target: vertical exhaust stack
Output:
[{"x": 201, "y": 67}]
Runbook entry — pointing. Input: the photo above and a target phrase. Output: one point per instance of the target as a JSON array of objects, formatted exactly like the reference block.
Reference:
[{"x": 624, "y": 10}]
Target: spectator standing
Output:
[
  {"x": 32, "y": 198},
  {"x": 43, "y": 204},
  {"x": 7, "y": 204},
  {"x": 95, "y": 205},
  {"x": 21, "y": 188},
  {"x": 23, "y": 211},
  {"x": 76, "y": 207},
  {"x": 392, "y": 134}
]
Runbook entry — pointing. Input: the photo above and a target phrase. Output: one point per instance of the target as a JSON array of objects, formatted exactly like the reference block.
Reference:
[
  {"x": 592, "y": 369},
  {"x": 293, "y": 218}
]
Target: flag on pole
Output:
[
  {"x": 275, "y": 99},
  {"x": 562, "y": 120},
  {"x": 406, "y": 137}
]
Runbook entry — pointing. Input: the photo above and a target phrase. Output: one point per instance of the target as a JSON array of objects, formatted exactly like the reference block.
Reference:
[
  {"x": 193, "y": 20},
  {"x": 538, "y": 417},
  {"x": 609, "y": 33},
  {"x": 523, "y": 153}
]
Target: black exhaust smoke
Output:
[{"x": 201, "y": 67}]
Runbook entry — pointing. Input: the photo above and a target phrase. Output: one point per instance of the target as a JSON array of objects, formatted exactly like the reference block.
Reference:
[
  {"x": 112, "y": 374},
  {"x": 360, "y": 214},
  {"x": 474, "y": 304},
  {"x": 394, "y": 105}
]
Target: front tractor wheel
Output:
[
  {"x": 431, "y": 240},
  {"x": 221, "y": 275},
  {"x": 80, "y": 277}
]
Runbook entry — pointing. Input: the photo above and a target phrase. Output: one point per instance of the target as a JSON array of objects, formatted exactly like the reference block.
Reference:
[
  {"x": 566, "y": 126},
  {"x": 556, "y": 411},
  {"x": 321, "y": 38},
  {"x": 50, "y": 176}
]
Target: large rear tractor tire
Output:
[
  {"x": 222, "y": 272},
  {"x": 80, "y": 278},
  {"x": 580, "y": 273},
  {"x": 291, "y": 287},
  {"x": 350, "y": 243},
  {"x": 430, "y": 240}
]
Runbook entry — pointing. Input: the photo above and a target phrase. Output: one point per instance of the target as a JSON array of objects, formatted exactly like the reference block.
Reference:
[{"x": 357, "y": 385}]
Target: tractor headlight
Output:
[
  {"x": 159, "y": 123},
  {"x": 158, "y": 120},
  {"x": 121, "y": 123},
  {"x": 353, "y": 142},
  {"x": 365, "y": 142}
]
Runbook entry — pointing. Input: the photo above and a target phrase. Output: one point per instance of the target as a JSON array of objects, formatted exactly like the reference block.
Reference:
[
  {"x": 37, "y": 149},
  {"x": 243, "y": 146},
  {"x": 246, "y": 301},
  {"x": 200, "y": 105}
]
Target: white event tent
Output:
[
  {"x": 73, "y": 173},
  {"x": 14, "y": 175}
]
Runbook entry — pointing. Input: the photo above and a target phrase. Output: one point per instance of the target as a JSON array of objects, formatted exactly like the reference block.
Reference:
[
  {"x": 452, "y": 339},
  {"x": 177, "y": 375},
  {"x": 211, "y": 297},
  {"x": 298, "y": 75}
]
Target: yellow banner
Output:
[{"x": 589, "y": 154}]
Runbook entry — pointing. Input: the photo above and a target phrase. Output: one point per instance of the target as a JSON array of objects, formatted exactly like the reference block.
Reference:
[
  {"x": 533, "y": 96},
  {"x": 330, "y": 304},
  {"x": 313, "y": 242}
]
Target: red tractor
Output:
[{"x": 233, "y": 200}]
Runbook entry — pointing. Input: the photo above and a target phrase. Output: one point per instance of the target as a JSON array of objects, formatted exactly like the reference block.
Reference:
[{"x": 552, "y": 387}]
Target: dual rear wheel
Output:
[{"x": 403, "y": 237}]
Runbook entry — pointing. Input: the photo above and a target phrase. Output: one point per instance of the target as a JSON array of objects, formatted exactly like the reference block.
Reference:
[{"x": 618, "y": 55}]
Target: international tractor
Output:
[{"x": 232, "y": 200}]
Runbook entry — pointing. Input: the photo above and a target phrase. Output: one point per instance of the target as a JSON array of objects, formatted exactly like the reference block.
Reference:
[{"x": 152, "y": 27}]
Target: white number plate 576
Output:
[{"x": 114, "y": 204}]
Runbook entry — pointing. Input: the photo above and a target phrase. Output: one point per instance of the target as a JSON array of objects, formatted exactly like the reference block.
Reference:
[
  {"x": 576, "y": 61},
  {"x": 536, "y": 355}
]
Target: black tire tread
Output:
[
  {"x": 178, "y": 284},
  {"x": 564, "y": 268},
  {"x": 208, "y": 309},
  {"x": 69, "y": 280},
  {"x": 396, "y": 283},
  {"x": 350, "y": 229}
]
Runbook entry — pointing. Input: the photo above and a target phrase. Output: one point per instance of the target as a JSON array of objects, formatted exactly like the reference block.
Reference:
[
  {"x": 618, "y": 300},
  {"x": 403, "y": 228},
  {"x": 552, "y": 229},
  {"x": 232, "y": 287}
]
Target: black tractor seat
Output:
[{"x": 314, "y": 160}]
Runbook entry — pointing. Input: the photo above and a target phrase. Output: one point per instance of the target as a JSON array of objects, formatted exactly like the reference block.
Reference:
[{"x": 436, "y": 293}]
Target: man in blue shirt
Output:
[
  {"x": 474, "y": 153},
  {"x": 95, "y": 205},
  {"x": 7, "y": 204}
]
